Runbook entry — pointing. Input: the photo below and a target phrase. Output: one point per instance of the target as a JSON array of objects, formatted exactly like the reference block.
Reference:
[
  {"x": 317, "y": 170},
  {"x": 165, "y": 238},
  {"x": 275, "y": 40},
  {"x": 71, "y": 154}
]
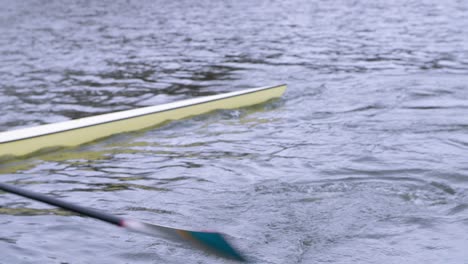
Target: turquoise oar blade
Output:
[{"x": 212, "y": 242}]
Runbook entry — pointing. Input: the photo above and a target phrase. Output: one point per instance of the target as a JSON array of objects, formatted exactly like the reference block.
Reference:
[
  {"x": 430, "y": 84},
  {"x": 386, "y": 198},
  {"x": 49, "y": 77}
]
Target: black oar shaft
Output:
[{"x": 62, "y": 204}]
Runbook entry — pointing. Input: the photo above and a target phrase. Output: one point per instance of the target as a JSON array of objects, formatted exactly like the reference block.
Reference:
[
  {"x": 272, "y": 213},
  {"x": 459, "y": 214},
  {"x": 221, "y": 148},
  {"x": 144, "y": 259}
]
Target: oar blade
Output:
[{"x": 211, "y": 242}]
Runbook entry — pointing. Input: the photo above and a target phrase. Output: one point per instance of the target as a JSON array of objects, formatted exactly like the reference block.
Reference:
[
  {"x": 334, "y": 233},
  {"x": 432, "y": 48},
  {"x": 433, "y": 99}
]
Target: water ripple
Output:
[{"x": 361, "y": 161}]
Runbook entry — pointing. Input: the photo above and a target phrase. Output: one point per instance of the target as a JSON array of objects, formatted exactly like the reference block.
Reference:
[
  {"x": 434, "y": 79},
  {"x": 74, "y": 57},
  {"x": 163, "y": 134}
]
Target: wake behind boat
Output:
[{"x": 79, "y": 131}]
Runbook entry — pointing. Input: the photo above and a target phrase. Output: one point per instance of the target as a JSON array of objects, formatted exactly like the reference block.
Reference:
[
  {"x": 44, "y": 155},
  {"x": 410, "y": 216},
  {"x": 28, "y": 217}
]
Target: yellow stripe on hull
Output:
[{"x": 76, "y": 132}]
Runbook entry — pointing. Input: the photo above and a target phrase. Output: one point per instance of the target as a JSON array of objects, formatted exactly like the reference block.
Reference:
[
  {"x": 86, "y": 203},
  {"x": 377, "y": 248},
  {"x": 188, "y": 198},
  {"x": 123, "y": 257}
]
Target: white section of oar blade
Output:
[{"x": 151, "y": 230}]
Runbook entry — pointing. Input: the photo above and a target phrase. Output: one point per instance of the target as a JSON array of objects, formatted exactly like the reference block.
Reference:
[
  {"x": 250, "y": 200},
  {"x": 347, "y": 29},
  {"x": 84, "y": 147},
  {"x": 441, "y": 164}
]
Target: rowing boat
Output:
[{"x": 72, "y": 133}]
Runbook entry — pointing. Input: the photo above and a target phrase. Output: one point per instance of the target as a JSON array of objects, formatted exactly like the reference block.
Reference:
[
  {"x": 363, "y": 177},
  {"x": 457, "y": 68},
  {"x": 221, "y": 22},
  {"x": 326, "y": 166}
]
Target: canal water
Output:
[{"x": 363, "y": 160}]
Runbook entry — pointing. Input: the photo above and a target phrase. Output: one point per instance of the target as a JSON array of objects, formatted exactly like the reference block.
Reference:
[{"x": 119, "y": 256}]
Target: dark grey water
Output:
[{"x": 362, "y": 161}]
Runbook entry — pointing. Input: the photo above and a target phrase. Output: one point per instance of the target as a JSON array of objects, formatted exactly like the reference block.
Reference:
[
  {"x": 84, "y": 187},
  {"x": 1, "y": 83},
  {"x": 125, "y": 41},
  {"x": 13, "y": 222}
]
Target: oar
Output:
[{"x": 211, "y": 241}]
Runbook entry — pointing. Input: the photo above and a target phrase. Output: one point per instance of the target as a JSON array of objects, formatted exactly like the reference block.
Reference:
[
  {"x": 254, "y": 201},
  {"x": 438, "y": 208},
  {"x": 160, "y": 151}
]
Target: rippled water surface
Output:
[{"x": 362, "y": 161}]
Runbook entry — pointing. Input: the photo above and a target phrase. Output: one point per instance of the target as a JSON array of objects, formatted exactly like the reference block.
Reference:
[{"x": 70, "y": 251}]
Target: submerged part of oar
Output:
[
  {"x": 79, "y": 131},
  {"x": 212, "y": 242}
]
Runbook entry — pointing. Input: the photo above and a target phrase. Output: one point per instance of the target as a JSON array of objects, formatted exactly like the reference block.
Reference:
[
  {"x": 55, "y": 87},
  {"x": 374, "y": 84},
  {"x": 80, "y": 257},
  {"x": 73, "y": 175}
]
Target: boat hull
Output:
[{"x": 80, "y": 131}]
